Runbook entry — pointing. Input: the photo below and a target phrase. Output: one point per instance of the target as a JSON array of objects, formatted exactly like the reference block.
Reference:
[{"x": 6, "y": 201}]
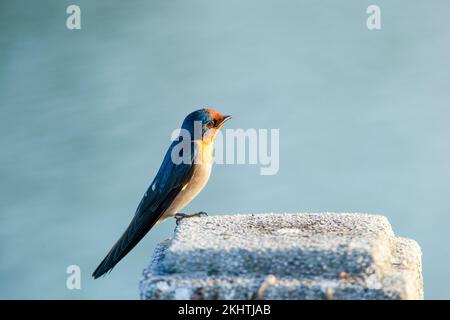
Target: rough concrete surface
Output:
[{"x": 285, "y": 256}]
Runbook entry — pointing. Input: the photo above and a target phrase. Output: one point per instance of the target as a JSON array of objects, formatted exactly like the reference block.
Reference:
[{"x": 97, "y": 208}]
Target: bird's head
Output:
[{"x": 204, "y": 124}]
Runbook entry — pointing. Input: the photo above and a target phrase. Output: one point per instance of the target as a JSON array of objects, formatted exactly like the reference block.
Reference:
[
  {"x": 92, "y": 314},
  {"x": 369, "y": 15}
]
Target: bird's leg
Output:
[{"x": 180, "y": 216}]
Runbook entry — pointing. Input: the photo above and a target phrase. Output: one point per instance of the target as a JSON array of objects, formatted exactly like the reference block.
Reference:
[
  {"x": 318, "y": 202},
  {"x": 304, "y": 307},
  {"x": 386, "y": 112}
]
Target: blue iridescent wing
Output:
[{"x": 169, "y": 181}]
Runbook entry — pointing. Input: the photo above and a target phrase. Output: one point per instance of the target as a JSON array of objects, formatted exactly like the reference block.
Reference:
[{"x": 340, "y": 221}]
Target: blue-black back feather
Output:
[{"x": 169, "y": 181}]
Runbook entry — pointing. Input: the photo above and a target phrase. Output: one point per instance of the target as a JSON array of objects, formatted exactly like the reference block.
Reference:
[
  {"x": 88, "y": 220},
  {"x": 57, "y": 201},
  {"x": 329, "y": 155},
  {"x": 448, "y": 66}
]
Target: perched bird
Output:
[{"x": 175, "y": 185}]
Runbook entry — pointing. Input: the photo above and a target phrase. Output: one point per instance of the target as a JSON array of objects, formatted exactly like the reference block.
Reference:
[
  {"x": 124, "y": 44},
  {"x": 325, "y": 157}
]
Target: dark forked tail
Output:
[{"x": 137, "y": 229}]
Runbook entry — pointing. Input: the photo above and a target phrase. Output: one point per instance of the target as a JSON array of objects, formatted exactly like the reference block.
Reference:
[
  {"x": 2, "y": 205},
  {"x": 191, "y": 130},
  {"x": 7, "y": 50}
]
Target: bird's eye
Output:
[{"x": 212, "y": 123}]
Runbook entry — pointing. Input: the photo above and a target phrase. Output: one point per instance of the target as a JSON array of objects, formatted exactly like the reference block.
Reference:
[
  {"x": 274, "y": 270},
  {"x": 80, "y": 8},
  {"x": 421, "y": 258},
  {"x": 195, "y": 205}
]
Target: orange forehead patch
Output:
[{"x": 214, "y": 114}]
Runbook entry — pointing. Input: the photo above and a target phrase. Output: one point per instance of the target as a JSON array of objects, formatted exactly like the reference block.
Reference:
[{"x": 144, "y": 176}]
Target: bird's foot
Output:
[{"x": 181, "y": 216}]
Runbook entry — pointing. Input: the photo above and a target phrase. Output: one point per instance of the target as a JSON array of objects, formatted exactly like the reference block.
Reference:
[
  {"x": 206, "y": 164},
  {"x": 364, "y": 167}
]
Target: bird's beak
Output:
[{"x": 224, "y": 119}]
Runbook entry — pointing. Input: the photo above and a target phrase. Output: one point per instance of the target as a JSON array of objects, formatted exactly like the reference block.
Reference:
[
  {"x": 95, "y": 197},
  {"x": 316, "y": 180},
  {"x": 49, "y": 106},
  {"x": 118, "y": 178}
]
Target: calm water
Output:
[{"x": 86, "y": 117}]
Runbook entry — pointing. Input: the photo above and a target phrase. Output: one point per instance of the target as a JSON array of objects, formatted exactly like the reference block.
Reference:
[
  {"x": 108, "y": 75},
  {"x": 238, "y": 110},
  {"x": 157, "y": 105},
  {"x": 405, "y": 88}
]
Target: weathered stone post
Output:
[{"x": 285, "y": 256}]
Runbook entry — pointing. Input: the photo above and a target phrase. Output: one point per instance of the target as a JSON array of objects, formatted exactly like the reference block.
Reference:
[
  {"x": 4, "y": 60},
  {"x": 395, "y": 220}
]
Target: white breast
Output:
[{"x": 200, "y": 177}]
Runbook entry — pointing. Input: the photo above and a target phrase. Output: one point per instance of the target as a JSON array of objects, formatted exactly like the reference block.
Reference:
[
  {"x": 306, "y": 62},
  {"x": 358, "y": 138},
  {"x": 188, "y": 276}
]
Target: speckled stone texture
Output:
[{"x": 285, "y": 256}]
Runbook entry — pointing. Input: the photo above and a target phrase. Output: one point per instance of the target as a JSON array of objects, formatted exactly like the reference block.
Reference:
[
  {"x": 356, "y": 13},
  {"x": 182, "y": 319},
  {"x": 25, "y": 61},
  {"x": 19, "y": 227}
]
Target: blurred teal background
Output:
[{"x": 86, "y": 117}]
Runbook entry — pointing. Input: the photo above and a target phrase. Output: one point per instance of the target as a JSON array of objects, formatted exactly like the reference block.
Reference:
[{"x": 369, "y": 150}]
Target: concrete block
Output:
[{"x": 285, "y": 256}]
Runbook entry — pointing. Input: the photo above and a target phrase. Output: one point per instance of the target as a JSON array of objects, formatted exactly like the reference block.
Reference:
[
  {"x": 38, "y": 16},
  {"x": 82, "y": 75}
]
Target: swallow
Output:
[{"x": 175, "y": 185}]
